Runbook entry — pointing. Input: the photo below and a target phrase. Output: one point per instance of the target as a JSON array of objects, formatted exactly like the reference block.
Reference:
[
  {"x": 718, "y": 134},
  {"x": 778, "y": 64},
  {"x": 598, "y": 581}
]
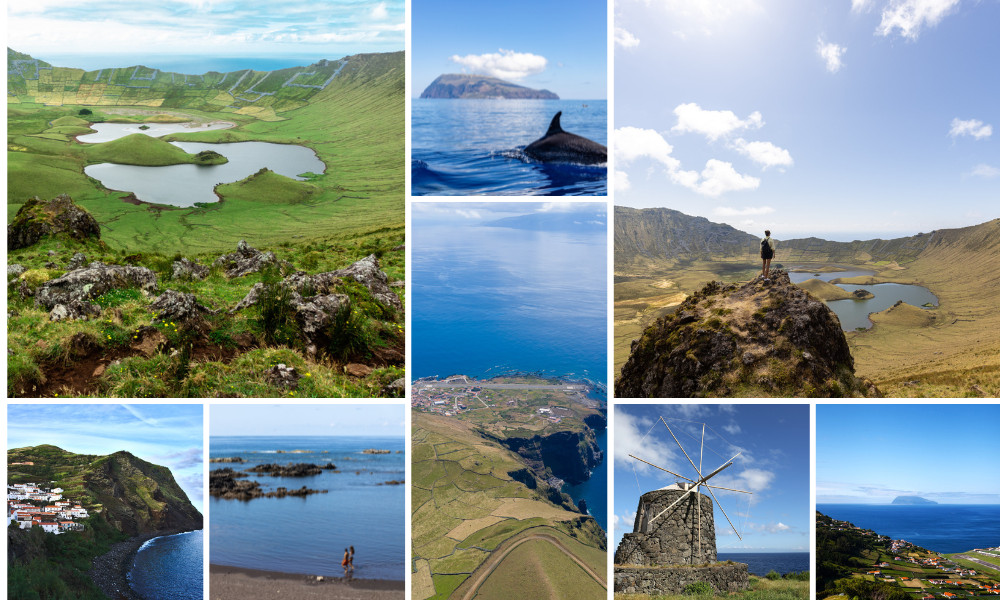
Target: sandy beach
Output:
[{"x": 235, "y": 583}]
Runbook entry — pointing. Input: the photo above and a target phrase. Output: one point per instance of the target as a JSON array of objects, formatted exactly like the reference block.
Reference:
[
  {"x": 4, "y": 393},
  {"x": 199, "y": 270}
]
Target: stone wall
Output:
[
  {"x": 671, "y": 538},
  {"x": 724, "y": 577}
]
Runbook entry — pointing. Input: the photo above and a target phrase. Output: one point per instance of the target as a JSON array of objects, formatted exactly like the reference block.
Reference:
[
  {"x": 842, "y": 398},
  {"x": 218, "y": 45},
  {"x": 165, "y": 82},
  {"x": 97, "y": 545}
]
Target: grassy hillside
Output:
[{"x": 355, "y": 124}]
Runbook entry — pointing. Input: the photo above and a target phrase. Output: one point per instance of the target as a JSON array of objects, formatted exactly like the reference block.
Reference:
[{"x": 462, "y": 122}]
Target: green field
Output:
[{"x": 477, "y": 529}]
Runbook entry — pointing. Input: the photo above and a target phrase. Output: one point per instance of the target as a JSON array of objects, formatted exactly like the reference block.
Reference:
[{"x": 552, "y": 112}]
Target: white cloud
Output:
[
  {"x": 632, "y": 143},
  {"x": 621, "y": 181},
  {"x": 624, "y": 38},
  {"x": 985, "y": 171},
  {"x": 763, "y": 153},
  {"x": 726, "y": 211},
  {"x": 860, "y": 5},
  {"x": 756, "y": 480},
  {"x": 379, "y": 11},
  {"x": 732, "y": 428},
  {"x": 704, "y": 17},
  {"x": 720, "y": 177},
  {"x": 713, "y": 124},
  {"x": 625, "y": 522},
  {"x": 830, "y": 53},
  {"x": 505, "y": 64},
  {"x": 910, "y": 16},
  {"x": 630, "y": 437},
  {"x": 770, "y": 527},
  {"x": 972, "y": 127}
]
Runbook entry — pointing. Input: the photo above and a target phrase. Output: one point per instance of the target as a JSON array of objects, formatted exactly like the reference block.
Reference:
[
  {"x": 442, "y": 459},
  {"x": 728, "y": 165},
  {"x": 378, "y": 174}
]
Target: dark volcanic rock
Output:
[
  {"x": 37, "y": 218},
  {"x": 455, "y": 85},
  {"x": 227, "y": 459},
  {"x": 78, "y": 261},
  {"x": 759, "y": 339},
  {"x": 178, "y": 307},
  {"x": 188, "y": 269},
  {"x": 73, "y": 310},
  {"x": 862, "y": 294},
  {"x": 245, "y": 260},
  {"x": 227, "y": 484},
  {"x": 296, "y": 470},
  {"x": 570, "y": 455},
  {"x": 92, "y": 281},
  {"x": 282, "y": 376}
]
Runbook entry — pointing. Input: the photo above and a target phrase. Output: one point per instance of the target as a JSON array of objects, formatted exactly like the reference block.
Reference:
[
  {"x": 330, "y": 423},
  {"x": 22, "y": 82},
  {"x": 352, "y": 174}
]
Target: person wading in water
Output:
[{"x": 766, "y": 254}]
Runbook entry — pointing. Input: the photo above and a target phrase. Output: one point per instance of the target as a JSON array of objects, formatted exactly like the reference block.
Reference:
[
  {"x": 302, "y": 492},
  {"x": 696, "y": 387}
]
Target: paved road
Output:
[
  {"x": 486, "y": 569},
  {"x": 441, "y": 385}
]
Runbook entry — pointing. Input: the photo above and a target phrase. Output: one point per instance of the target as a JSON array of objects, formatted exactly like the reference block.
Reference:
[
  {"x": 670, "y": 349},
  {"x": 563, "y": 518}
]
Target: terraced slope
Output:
[{"x": 477, "y": 529}]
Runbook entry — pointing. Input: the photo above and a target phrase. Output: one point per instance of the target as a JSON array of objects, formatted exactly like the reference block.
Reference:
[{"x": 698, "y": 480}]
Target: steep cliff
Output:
[
  {"x": 756, "y": 339},
  {"x": 569, "y": 455},
  {"x": 132, "y": 495}
]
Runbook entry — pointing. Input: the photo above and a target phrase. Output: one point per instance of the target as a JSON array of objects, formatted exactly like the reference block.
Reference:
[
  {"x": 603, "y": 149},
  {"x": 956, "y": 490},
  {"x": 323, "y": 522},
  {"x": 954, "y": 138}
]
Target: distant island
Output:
[
  {"x": 912, "y": 500},
  {"x": 456, "y": 85}
]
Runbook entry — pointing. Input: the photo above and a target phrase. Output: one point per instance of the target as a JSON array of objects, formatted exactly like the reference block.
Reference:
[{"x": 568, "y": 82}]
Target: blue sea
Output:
[
  {"x": 308, "y": 535},
  {"x": 489, "y": 301},
  {"x": 943, "y": 528},
  {"x": 170, "y": 567},
  {"x": 595, "y": 489},
  {"x": 762, "y": 563},
  {"x": 472, "y": 147}
]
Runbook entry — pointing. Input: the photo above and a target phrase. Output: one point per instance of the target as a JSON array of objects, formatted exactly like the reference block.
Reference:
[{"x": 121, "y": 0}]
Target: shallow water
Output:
[
  {"x": 106, "y": 132},
  {"x": 170, "y": 567},
  {"x": 853, "y": 314},
  {"x": 184, "y": 185},
  {"x": 308, "y": 535},
  {"x": 472, "y": 147}
]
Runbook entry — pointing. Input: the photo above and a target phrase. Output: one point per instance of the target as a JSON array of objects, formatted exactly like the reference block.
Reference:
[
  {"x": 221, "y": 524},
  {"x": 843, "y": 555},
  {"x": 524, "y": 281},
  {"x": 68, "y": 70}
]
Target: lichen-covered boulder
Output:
[
  {"x": 245, "y": 260},
  {"x": 188, "y": 269},
  {"x": 74, "y": 310},
  {"x": 78, "y": 261},
  {"x": 178, "y": 307},
  {"x": 92, "y": 281},
  {"x": 38, "y": 218}
]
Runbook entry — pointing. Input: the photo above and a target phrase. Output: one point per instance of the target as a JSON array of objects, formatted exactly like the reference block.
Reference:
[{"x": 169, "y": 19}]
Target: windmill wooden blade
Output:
[
  {"x": 675, "y": 503},
  {"x": 724, "y": 514},
  {"x": 697, "y": 470},
  {"x": 661, "y": 468},
  {"x": 719, "y": 487}
]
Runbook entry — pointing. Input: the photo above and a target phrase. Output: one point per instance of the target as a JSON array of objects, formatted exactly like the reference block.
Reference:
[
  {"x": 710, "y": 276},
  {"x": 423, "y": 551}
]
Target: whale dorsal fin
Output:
[{"x": 554, "y": 126}]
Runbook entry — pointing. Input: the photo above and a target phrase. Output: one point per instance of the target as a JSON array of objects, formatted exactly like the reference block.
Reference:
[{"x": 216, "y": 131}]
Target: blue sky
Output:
[
  {"x": 559, "y": 46},
  {"x": 835, "y": 118},
  {"x": 774, "y": 439},
  {"x": 142, "y": 30},
  {"x": 164, "y": 434},
  {"x": 307, "y": 419},
  {"x": 869, "y": 454}
]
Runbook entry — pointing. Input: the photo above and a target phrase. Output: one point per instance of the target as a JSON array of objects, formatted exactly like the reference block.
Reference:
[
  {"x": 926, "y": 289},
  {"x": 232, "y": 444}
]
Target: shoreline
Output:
[
  {"x": 241, "y": 583},
  {"x": 109, "y": 571}
]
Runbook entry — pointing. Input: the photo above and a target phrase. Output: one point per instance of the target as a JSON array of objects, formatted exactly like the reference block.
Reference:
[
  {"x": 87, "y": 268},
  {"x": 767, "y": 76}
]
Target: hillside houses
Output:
[{"x": 30, "y": 505}]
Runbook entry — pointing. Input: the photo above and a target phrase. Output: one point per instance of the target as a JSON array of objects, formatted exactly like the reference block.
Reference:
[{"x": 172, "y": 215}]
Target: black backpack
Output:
[{"x": 765, "y": 249}]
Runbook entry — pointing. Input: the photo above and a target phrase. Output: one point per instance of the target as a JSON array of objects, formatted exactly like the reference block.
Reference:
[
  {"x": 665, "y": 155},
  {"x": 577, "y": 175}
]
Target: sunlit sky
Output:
[
  {"x": 88, "y": 34},
  {"x": 869, "y": 454},
  {"x": 164, "y": 434},
  {"x": 834, "y": 118},
  {"x": 368, "y": 419},
  {"x": 559, "y": 46},
  {"x": 774, "y": 465}
]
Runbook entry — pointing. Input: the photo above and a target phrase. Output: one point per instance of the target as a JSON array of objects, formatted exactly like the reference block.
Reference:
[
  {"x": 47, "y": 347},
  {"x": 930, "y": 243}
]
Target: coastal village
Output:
[
  {"x": 31, "y": 505},
  {"x": 926, "y": 575},
  {"x": 435, "y": 396}
]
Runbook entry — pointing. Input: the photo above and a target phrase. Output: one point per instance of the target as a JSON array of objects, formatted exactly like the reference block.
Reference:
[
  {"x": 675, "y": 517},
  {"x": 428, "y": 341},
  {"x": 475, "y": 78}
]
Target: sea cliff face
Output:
[{"x": 569, "y": 455}]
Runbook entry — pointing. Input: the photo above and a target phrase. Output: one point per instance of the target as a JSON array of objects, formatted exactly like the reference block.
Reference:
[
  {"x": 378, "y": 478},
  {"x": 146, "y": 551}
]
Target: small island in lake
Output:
[
  {"x": 912, "y": 500},
  {"x": 459, "y": 85}
]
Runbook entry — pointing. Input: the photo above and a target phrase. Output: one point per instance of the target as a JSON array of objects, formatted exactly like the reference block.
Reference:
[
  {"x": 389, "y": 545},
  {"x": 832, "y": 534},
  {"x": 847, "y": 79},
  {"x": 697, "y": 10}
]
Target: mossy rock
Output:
[{"x": 59, "y": 216}]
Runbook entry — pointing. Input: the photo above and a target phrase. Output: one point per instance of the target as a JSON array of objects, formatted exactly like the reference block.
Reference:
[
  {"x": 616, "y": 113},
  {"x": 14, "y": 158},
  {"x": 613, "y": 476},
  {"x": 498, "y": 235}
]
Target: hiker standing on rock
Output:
[{"x": 766, "y": 254}]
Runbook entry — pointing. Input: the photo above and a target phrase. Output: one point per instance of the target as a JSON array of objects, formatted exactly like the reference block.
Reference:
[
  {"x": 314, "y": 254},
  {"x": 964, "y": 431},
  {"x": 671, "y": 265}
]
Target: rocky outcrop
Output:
[
  {"x": 762, "y": 338},
  {"x": 282, "y": 376},
  {"x": 229, "y": 485},
  {"x": 178, "y": 307},
  {"x": 15, "y": 270},
  {"x": 60, "y": 216},
  {"x": 92, "y": 281},
  {"x": 74, "y": 310},
  {"x": 78, "y": 261},
  {"x": 188, "y": 269},
  {"x": 456, "y": 85},
  {"x": 296, "y": 470},
  {"x": 228, "y": 459},
  {"x": 245, "y": 260},
  {"x": 862, "y": 294}
]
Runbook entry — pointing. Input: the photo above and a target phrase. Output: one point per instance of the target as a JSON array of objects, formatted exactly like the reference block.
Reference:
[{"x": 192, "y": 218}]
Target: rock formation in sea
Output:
[{"x": 458, "y": 85}]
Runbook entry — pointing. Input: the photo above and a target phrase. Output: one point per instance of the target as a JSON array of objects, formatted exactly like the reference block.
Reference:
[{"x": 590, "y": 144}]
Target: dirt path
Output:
[{"x": 486, "y": 569}]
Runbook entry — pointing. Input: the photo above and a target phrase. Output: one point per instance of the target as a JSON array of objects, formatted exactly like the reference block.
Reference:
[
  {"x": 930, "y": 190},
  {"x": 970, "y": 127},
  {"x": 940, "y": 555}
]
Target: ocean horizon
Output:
[
  {"x": 943, "y": 528},
  {"x": 307, "y": 535}
]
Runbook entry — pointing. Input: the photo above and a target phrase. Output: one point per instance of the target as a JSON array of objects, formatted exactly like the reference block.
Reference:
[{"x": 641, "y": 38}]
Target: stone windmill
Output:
[{"x": 675, "y": 525}]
